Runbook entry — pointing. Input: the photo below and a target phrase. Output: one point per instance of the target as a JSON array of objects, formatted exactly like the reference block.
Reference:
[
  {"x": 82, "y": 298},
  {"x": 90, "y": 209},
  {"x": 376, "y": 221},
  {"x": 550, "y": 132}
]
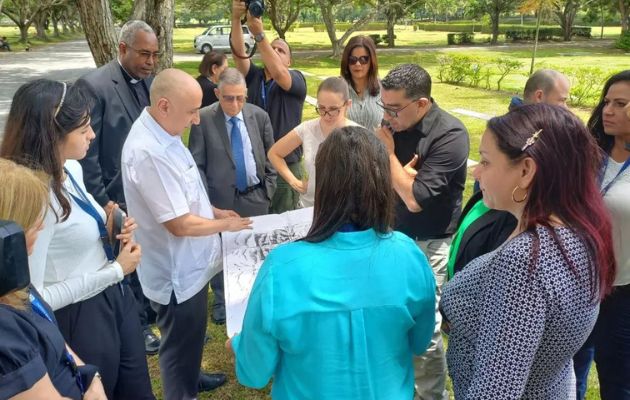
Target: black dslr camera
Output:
[
  {"x": 14, "y": 273},
  {"x": 255, "y": 7}
]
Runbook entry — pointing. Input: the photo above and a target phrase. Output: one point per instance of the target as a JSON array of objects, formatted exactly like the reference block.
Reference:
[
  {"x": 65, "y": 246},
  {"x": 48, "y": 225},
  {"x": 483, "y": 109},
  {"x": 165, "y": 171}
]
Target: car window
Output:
[
  {"x": 215, "y": 31},
  {"x": 245, "y": 30},
  {"x": 226, "y": 30},
  {"x": 205, "y": 31}
]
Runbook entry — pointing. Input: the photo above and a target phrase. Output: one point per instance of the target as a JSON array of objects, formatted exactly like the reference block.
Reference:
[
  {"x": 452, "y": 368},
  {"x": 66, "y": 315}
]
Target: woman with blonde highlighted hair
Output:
[{"x": 35, "y": 362}]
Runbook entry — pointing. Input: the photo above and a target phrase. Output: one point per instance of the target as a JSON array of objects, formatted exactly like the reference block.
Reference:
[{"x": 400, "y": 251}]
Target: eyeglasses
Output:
[
  {"x": 333, "y": 111},
  {"x": 391, "y": 112},
  {"x": 147, "y": 54},
  {"x": 231, "y": 99},
  {"x": 361, "y": 59}
]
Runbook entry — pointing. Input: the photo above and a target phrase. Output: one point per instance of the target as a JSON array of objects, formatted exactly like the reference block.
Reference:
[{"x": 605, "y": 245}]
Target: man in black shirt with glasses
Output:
[{"x": 428, "y": 151}]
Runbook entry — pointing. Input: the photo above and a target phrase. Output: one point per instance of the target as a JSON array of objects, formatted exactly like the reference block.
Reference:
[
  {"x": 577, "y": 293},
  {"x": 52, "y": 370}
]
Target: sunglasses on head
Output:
[{"x": 362, "y": 60}]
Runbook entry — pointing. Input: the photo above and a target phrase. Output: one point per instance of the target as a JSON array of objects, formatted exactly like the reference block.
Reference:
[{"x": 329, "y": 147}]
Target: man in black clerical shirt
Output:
[{"x": 428, "y": 151}]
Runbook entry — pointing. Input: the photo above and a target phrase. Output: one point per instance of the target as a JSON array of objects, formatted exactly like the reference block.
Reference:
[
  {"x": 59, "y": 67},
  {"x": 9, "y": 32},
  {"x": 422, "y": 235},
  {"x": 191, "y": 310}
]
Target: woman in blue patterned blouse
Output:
[{"x": 517, "y": 315}]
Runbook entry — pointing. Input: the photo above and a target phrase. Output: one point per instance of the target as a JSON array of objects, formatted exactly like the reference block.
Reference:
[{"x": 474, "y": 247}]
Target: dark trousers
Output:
[
  {"x": 145, "y": 312},
  {"x": 183, "y": 329},
  {"x": 250, "y": 204},
  {"x": 105, "y": 331},
  {"x": 612, "y": 345},
  {"x": 582, "y": 361}
]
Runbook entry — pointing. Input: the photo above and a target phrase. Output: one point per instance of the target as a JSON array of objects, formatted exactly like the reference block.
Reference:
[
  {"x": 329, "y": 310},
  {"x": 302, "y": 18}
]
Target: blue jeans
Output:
[
  {"x": 582, "y": 361},
  {"x": 612, "y": 345}
]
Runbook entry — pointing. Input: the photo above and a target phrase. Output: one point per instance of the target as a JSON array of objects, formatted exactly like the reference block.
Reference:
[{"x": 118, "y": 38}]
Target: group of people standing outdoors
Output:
[{"x": 531, "y": 281}]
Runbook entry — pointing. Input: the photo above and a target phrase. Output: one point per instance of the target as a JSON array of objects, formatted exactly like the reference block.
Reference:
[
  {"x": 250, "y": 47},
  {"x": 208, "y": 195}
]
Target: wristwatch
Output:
[{"x": 259, "y": 37}]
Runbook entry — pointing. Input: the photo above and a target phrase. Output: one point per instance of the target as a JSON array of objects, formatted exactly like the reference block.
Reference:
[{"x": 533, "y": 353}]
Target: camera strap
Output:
[
  {"x": 39, "y": 309},
  {"x": 85, "y": 204},
  {"x": 264, "y": 90}
]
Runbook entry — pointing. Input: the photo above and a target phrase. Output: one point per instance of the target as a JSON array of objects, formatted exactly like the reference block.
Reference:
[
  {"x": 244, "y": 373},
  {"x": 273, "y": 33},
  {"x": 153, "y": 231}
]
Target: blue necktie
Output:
[{"x": 239, "y": 157}]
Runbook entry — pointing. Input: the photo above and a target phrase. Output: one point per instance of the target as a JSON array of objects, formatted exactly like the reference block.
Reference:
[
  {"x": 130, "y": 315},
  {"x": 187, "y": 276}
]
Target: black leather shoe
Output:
[
  {"x": 208, "y": 382},
  {"x": 218, "y": 315},
  {"x": 151, "y": 342}
]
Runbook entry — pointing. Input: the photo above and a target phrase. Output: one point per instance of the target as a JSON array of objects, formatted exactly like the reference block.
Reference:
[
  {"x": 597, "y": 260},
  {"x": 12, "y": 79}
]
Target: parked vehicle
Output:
[{"x": 217, "y": 37}]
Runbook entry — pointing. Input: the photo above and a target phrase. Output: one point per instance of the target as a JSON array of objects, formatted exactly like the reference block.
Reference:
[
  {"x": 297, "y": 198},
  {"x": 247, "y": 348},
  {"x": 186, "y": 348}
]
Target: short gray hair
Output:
[
  {"x": 414, "y": 79},
  {"x": 543, "y": 79},
  {"x": 131, "y": 28},
  {"x": 231, "y": 76}
]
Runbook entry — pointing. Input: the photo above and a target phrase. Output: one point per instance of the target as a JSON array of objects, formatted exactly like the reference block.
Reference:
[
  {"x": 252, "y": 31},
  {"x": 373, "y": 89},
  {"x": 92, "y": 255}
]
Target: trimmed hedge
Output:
[
  {"x": 546, "y": 33},
  {"x": 460, "y": 38},
  {"x": 514, "y": 30},
  {"x": 344, "y": 26}
]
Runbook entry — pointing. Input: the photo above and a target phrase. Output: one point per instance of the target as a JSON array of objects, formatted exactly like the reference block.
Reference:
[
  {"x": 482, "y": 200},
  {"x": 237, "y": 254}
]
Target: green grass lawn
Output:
[
  {"x": 449, "y": 97},
  {"x": 13, "y": 36}
]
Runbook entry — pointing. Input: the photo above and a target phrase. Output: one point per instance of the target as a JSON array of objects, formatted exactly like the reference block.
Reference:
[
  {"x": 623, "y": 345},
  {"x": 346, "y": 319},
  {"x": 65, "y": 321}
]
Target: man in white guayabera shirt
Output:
[{"x": 179, "y": 229}]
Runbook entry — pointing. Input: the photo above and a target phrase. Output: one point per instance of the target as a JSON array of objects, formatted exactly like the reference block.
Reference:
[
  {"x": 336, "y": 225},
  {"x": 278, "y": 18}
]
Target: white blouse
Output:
[{"x": 68, "y": 263}]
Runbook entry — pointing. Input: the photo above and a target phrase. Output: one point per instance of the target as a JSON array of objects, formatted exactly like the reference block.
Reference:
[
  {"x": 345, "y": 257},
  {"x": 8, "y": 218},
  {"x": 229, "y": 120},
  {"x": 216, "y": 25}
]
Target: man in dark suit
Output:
[
  {"x": 230, "y": 147},
  {"x": 121, "y": 91}
]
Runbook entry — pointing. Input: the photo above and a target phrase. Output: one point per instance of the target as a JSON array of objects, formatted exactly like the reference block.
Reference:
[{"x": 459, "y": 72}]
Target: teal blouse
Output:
[{"x": 338, "y": 319}]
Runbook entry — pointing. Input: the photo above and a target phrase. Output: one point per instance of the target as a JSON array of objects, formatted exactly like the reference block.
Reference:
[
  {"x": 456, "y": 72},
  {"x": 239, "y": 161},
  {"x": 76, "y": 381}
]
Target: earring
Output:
[{"x": 521, "y": 200}]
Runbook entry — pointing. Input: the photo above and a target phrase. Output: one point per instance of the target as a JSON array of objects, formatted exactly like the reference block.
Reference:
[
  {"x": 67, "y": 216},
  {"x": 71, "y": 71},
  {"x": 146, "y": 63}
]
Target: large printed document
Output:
[{"x": 245, "y": 251}]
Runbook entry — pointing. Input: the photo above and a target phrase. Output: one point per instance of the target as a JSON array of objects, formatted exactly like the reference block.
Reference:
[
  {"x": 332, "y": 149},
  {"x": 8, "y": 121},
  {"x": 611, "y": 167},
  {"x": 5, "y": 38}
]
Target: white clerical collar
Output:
[{"x": 132, "y": 80}]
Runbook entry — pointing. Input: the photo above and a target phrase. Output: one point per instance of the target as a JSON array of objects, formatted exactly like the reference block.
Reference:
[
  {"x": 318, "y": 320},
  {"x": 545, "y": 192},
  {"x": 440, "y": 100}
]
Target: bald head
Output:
[
  {"x": 175, "y": 100},
  {"x": 547, "y": 86},
  {"x": 172, "y": 83}
]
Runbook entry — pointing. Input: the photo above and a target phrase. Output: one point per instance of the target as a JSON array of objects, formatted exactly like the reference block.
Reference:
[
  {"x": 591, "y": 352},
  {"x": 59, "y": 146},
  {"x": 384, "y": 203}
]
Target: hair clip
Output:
[
  {"x": 532, "y": 139},
  {"x": 63, "y": 97}
]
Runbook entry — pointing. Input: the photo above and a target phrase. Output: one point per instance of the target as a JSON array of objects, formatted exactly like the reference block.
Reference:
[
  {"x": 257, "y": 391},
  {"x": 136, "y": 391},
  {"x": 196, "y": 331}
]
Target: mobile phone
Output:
[
  {"x": 118, "y": 216},
  {"x": 14, "y": 272}
]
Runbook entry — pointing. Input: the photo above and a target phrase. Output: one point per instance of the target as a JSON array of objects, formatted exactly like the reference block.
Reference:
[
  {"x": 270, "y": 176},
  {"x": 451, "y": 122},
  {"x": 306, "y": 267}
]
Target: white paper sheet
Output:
[{"x": 245, "y": 251}]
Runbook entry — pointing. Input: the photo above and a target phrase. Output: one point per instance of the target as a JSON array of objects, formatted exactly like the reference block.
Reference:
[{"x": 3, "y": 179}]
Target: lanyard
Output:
[
  {"x": 39, "y": 309},
  {"x": 609, "y": 185},
  {"x": 264, "y": 91},
  {"x": 87, "y": 206}
]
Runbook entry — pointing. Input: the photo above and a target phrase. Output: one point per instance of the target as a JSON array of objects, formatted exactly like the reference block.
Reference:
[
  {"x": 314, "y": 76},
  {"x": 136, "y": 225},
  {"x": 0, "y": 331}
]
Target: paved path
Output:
[{"x": 63, "y": 61}]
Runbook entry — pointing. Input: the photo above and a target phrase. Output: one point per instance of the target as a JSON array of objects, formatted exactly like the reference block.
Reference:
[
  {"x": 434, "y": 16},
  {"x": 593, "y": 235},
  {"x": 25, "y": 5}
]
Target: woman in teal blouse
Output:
[{"x": 338, "y": 314}]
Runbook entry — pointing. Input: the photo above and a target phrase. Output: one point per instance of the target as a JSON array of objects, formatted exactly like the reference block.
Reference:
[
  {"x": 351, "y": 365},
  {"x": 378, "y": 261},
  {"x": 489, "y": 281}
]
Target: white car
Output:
[{"x": 218, "y": 38}]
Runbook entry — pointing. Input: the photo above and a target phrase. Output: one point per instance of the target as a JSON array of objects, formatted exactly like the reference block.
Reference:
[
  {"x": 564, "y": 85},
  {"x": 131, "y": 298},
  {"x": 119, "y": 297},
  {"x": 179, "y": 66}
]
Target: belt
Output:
[{"x": 249, "y": 189}]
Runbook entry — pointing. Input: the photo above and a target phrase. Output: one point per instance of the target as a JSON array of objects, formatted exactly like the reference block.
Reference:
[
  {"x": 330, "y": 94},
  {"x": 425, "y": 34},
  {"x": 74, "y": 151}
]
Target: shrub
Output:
[
  {"x": 376, "y": 38},
  {"x": 506, "y": 66},
  {"x": 586, "y": 82},
  {"x": 623, "y": 42},
  {"x": 460, "y": 38}
]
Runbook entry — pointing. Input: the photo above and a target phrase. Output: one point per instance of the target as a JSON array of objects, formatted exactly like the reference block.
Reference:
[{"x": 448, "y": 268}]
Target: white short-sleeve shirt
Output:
[{"x": 161, "y": 183}]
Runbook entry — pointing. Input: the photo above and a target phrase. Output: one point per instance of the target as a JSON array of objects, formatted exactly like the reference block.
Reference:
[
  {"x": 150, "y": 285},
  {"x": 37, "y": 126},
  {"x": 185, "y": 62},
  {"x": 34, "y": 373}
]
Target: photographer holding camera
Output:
[
  {"x": 35, "y": 362},
  {"x": 273, "y": 87}
]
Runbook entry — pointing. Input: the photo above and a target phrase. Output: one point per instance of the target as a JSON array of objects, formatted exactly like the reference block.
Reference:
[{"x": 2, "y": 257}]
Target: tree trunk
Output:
[
  {"x": 40, "y": 25},
  {"x": 160, "y": 14},
  {"x": 98, "y": 25},
  {"x": 326, "y": 7},
  {"x": 494, "y": 19},
  {"x": 531, "y": 68},
  {"x": 139, "y": 10},
  {"x": 566, "y": 18},
  {"x": 55, "y": 24},
  {"x": 283, "y": 14},
  {"x": 1, "y": 1},
  {"x": 391, "y": 21},
  {"x": 23, "y": 33},
  {"x": 624, "y": 11}
]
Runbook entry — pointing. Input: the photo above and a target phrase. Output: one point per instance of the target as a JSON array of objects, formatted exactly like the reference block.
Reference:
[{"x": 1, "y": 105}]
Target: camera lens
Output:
[{"x": 256, "y": 8}]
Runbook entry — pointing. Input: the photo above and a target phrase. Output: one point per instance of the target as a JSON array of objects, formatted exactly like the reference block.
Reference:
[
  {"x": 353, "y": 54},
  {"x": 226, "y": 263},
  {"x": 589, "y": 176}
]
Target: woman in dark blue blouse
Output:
[{"x": 35, "y": 362}]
